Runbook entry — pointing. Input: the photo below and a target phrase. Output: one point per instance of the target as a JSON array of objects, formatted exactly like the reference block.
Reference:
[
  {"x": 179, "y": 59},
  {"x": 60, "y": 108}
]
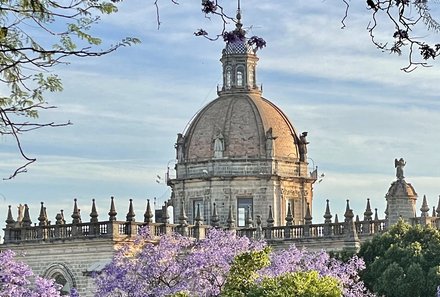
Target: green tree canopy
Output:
[
  {"x": 403, "y": 262},
  {"x": 244, "y": 280}
]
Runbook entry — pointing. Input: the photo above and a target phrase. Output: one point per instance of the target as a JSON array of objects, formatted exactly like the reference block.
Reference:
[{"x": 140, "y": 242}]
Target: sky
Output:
[{"x": 360, "y": 109}]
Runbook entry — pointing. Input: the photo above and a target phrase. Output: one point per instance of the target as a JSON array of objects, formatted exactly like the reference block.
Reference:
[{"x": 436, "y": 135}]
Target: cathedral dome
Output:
[{"x": 244, "y": 125}]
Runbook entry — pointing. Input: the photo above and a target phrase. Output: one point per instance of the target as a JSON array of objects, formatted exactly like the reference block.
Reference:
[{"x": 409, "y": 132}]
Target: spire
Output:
[
  {"x": 198, "y": 220},
  {"x": 308, "y": 217},
  {"x": 327, "y": 215},
  {"x": 270, "y": 221},
  {"x": 42, "y": 218},
  {"x": 182, "y": 216},
  {"x": 148, "y": 215},
  {"x": 26, "y": 218},
  {"x": 76, "y": 218},
  {"x": 348, "y": 212},
  {"x": 130, "y": 213},
  {"x": 45, "y": 216},
  {"x": 289, "y": 216},
  {"x": 10, "y": 220},
  {"x": 214, "y": 217},
  {"x": 425, "y": 208},
  {"x": 376, "y": 217},
  {"x": 433, "y": 212},
  {"x": 238, "y": 25},
  {"x": 112, "y": 213},
  {"x": 94, "y": 213},
  {"x": 336, "y": 219},
  {"x": 368, "y": 213},
  {"x": 165, "y": 215}
]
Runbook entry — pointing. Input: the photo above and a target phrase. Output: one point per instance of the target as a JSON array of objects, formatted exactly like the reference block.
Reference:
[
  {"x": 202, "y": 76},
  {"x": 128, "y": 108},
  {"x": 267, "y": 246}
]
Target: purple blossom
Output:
[
  {"x": 294, "y": 260},
  {"x": 15, "y": 279},
  {"x": 257, "y": 42},
  {"x": 209, "y": 6},
  {"x": 234, "y": 36},
  {"x": 171, "y": 264}
]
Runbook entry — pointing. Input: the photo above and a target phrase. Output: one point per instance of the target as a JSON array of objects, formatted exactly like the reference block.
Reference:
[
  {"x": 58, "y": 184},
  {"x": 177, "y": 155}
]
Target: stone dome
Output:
[
  {"x": 245, "y": 122},
  {"x": 400, "y": 188}
]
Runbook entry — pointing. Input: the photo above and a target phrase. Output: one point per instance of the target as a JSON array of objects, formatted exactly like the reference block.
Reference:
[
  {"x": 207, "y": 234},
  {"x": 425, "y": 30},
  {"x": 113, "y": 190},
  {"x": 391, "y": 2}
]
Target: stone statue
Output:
[
  {"x": 219, "y": 146},
  {"x": 270, "y": 143},
  {"x": 20, "y": 215},
  {"x": 399, "y": 164},
  {"x": 180, "y": 147},
  {"x": 303, "y": 147}
]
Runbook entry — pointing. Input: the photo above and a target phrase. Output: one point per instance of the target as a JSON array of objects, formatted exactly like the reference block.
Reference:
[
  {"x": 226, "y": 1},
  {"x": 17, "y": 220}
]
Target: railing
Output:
[
  {"x": 122, "y": 230},
  {"x": 240, "y": 167}
]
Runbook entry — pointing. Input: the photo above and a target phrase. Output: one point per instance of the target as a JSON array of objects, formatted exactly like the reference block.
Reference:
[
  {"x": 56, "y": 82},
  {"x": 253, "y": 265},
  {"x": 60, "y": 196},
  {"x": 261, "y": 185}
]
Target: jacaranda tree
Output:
[
  {"x": 173, "y": 265},
  {"x": 18, "y": 280}
]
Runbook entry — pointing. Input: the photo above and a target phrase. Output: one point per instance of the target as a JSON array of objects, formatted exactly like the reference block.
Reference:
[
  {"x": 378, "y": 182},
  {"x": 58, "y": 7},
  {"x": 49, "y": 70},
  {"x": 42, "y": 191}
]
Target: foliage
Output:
[
  {"x": 244, "y": 273},
  {"x": 300, "y": 284},
  {"x": 406, "y": 17},
  {"x": 18, "y": 280},
  {"x": 404, "y": 261},
  {"x": 293, "y": 260},
  {"x": 223, "y": 264},
  {"x": 35, "y": 36},
  {"x": 173, "y": 265},
  {"x": 244, "y": 280},
  {"x": 405, "y": 23}
]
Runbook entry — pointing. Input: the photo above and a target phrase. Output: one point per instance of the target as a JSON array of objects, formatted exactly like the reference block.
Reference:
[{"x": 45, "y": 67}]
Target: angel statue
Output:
[{"x": 399, "y": 164}]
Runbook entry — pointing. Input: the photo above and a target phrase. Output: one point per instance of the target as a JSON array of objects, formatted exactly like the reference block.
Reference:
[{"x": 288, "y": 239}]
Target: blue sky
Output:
[{"x": 360, "y": 109}]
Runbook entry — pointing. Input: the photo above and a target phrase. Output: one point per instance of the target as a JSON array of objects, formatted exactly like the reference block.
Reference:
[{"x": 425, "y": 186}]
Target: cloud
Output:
[{"x": 361, "y": 111}]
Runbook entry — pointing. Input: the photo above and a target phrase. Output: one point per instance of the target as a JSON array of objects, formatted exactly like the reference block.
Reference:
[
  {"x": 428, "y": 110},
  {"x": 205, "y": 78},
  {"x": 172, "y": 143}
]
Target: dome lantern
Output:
[{"x": 239, "y": 61}]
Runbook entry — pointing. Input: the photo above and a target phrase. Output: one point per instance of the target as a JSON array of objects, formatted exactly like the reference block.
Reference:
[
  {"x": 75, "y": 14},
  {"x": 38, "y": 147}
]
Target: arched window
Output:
[
  {"x": 61, "y": 280},
  {"x": 62, "y": 276},
  {"x": 240, "y": 73},
  {"x": 239, "y": 78},
  {"x": 228, "y": 78}
]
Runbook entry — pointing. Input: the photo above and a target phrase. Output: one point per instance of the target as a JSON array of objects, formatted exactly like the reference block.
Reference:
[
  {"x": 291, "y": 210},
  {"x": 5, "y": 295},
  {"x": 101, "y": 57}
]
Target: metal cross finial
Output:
[{"x": 238, "y": 12}]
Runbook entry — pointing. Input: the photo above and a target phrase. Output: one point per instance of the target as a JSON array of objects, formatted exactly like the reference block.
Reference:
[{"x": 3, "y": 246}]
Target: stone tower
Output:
[
  {"x": 401, "y": 197},
  {"x": 240, "y": 154}
]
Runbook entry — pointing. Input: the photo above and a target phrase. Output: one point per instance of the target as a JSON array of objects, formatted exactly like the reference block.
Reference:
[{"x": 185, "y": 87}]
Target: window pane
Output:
[
  {"x": 242, "y": 207},
  {"x": 239, "y": 78}
]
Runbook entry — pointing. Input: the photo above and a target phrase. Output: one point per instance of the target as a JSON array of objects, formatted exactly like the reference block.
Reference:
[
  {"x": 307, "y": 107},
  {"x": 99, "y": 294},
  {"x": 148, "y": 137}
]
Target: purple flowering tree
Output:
[
  {"x": 173, "y": 265},
  {"x": 18, "y": 280}
]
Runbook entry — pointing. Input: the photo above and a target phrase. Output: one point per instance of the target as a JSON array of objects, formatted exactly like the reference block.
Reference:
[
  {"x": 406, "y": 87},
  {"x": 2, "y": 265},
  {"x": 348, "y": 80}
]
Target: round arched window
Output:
[
  {"x": 62, "y": 276},
  {"x": 228, "y": 78},
  {"x": 240, "y": 74}
]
